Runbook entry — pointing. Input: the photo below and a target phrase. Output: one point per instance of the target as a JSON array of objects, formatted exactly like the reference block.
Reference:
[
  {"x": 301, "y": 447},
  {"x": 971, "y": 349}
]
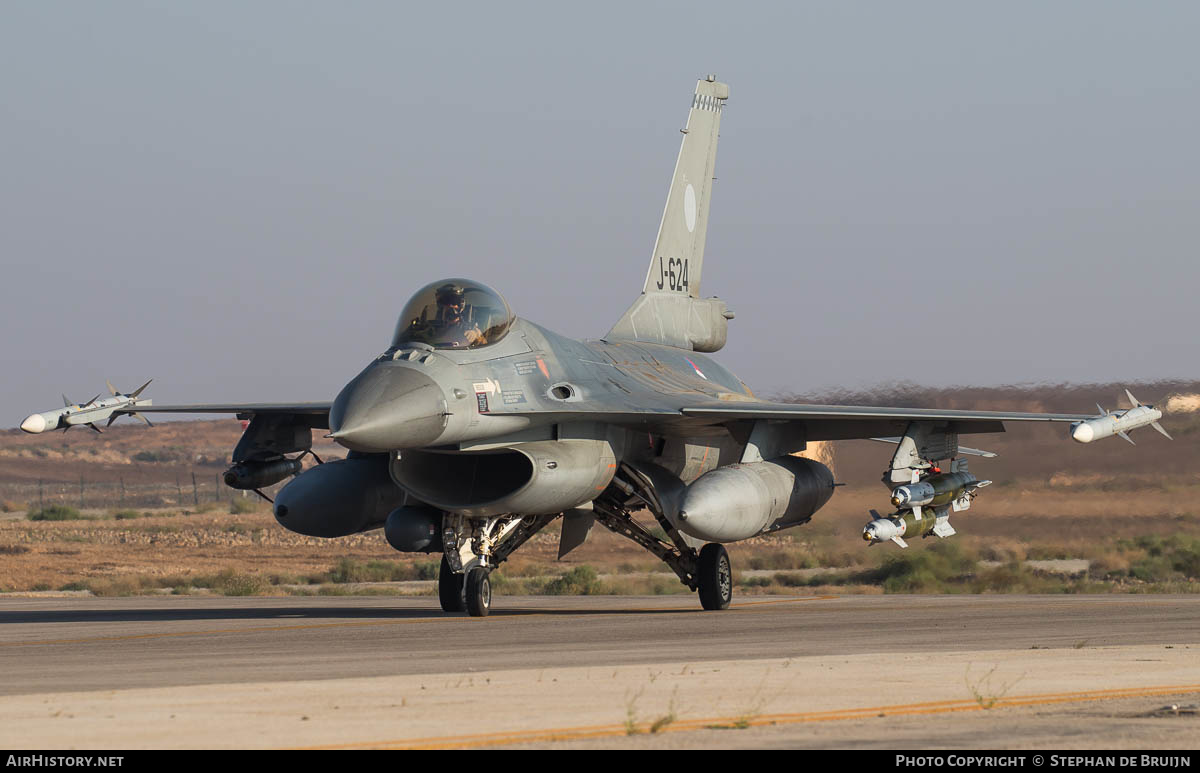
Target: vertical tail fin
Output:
[
  {"x": 669, "y": 311},
  {"x": 678, "y": 256}
]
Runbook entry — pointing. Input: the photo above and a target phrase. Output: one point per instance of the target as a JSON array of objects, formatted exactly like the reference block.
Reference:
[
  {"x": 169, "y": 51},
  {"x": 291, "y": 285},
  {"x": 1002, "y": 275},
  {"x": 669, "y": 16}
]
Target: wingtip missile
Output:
[
  {"x": 1119, "y": 422},
  {"x": 87, "y": 413}
]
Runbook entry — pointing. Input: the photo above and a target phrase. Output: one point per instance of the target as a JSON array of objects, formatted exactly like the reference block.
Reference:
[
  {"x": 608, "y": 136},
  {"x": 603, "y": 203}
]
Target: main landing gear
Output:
[
  {"x": 707, "y": 571},
  {"x": 714, "y": 577}
]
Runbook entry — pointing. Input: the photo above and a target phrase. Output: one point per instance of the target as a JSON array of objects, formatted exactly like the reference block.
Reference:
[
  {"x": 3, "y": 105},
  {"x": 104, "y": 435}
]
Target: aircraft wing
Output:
[
  {"x": 242, "y": 410},
  {"x": 844, "y": 422}
]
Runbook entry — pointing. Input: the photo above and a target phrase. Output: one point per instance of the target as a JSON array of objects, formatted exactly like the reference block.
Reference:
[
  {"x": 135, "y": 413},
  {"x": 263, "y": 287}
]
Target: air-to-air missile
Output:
[
  {"x": 88, "y": 413},
  {"x": 924, "y": 507},
  {"x": 1118, "y": 422}
]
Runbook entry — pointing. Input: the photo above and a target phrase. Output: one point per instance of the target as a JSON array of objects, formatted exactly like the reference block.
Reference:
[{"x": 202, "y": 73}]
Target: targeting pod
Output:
[{"x": 248, "y": 476}]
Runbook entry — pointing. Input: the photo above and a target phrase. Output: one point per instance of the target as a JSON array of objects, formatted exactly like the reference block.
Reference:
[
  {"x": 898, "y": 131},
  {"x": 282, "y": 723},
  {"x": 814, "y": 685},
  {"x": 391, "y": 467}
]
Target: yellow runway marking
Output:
[
  {"x": 908, "y": 709},
  {"x": 370, "y": 623}
]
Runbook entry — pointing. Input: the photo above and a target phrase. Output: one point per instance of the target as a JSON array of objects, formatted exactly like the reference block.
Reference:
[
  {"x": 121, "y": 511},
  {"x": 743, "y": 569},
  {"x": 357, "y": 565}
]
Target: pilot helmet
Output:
[{"x": 450, "y": 294}]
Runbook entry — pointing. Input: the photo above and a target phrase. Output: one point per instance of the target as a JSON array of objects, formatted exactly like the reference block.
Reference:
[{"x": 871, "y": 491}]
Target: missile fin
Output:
[
  {"x": 67, "y": 402},
  {"x": 94, "y": 399},
  {"x": 1103, "y": 412},
  {"x": 112, "y": 389},
  {"x": 943, "y": 528},
  {"x": 900, "y": 541},
  {"x": 138, "y": 391},
  {"x": 148, "y": 424},
  {"x": 1122, "y": 434},
  {"x": 917, "y": 512},
  {"x": 1133, "y": 401},
  {"x": 111, "y": 419},
  {"x": 93, "y": 426},
  {"x": 1158, "y": 427}
]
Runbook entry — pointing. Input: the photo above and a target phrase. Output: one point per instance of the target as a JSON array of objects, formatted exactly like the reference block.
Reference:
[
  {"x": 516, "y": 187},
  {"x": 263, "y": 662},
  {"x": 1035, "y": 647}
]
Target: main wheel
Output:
[
  {"x": 479, "y": 592},
  {"x": 714, "y": 577},
  {"x": 450, "y": 588}
]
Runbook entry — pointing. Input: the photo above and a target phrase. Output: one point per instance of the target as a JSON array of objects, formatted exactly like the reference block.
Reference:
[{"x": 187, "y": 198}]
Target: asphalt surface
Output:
[
  {"x": 105, "y": 644},
  {"x": 174, "y": 649}
]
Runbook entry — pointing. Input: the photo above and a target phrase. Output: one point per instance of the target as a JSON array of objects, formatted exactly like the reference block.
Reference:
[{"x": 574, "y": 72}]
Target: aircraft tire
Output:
[
  {"x": 714, "y": 577},
  {"x": 479, "y": 592},
  {"x": 450, "y": 588}
]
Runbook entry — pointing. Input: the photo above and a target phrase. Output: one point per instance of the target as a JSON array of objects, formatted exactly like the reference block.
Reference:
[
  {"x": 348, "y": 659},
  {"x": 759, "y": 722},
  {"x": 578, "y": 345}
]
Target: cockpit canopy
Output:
[{"x": 454, "y": 314}]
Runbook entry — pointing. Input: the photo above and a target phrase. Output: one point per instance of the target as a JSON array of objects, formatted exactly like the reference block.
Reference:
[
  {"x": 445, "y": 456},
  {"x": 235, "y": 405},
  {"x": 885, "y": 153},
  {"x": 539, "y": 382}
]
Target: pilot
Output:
[{"x": 452, "y": 314}]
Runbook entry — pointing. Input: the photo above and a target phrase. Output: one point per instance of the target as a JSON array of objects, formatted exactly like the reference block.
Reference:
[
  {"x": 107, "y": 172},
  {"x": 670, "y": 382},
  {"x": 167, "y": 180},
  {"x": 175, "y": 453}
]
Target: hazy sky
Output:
[{"x": 236, "y": 198}]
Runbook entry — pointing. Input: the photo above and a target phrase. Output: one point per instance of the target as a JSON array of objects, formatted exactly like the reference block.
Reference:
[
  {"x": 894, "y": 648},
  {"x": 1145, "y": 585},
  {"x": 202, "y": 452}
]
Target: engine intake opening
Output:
[{"x": 456, "y": 480}]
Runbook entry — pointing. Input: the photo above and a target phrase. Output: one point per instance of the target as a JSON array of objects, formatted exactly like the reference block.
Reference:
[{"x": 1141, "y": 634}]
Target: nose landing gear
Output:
[
  {"x": 450, "y": 588},
  {"x": 473, "y": 548}
]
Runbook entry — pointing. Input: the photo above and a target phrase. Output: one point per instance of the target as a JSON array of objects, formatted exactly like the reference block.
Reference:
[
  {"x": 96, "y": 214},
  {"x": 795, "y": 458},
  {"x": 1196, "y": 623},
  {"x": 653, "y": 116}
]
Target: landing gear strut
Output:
[{"x": 707, "y": 571}]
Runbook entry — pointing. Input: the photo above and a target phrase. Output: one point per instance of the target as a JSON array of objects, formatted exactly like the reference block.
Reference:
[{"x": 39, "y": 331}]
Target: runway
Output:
[{"x": 367, "y": 671}]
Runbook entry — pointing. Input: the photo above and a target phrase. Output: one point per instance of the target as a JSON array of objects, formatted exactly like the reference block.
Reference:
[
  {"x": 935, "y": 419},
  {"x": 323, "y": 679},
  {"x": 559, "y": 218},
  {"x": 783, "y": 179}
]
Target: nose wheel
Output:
[
  {"x": 478, "y": 592},
  {"x": 714, "y": 577},
  {"x": 450, "y": 588}
]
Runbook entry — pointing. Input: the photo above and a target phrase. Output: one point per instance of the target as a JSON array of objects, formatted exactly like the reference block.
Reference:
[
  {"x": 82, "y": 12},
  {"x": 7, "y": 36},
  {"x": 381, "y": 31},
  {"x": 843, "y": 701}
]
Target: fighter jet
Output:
[
  {"x": 474, "y": 429},
  {"x": 87, "y": 414}
]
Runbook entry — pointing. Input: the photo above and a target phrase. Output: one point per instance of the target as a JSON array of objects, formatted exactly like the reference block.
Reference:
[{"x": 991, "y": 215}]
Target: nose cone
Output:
[
  {"x": 34, "y": 424},
  {"x": 1082, "y": 432},
  {"x": 389, "y": 406},
  {"x": 880, "y": 530}
]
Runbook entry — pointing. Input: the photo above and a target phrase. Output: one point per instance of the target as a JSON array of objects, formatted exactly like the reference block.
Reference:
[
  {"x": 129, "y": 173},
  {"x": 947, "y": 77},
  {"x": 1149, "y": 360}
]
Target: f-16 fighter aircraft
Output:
[{"x": 475, "y": 428}]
